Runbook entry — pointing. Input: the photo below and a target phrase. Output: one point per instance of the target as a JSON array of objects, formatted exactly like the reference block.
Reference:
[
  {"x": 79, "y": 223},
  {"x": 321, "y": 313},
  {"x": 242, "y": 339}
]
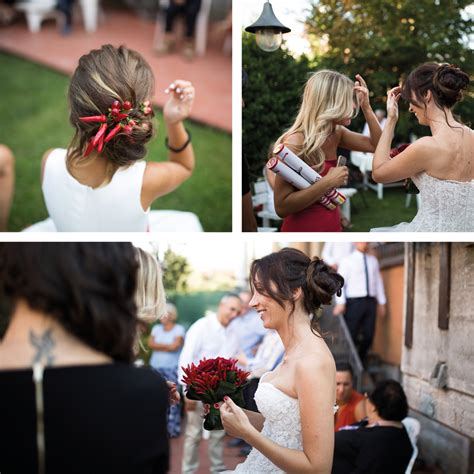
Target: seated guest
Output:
[
  {"x": 350, "y": 402},
  {"x": 383, "y": 444}
]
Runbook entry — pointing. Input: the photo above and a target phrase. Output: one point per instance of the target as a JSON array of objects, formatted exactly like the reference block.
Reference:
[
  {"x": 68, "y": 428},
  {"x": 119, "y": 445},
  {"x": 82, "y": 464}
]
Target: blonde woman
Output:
[
  {"x": 330, "y": 100},
  {"x": 166, "y": 341}
]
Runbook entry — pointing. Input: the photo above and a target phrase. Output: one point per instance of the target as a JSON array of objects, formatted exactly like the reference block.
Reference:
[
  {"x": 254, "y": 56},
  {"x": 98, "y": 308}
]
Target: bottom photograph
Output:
[{"x": 227, "y": 355}]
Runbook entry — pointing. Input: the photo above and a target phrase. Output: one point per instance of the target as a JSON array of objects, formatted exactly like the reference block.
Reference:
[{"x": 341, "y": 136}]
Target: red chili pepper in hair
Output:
[
  {"x": 113, "y": 132},
  {"x": 116, "y": 104},
  {"x": 89, "y": 148},
  {"x": 100, "y": 134},
  {"x": 94, "y": 118},
  {"x": 127, "y": 105},
  {"x": 100, "y": 145},
  {"x": 119, "y": 117}
]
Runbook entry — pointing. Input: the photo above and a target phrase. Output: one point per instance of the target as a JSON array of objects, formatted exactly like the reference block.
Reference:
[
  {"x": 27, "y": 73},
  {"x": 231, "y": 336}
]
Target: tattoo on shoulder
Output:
[{"x": 44, "y": 344}]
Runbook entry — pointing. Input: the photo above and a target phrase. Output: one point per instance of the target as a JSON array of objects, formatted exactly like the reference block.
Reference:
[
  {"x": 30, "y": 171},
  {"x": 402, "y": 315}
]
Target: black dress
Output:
[
  {"x": 98, "y": 419},
  {"x": 376, "y": 450}
]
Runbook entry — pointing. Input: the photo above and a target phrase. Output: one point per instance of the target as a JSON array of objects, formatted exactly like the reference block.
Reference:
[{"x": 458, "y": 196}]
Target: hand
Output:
[
  {"x": 234, "y": 419},
  {"x": 339, "y": 309},
  {"x": 179, "y": 105},
  {"x": 362, "y": 92},
  {"x": 174, "y": 396},
  {"x": 381, "y": 310},
  {"x": 190, "y": 405},
  {"x": 393, "y": 96},
  {"x": 337, "y": 176}
]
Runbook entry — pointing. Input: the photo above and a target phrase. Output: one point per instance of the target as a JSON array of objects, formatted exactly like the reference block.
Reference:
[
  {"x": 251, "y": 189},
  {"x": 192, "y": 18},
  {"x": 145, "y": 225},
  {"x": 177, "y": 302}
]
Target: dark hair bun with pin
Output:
[
  {"x": 322, "y": 282},
  {"x": 449, "y": 83}
]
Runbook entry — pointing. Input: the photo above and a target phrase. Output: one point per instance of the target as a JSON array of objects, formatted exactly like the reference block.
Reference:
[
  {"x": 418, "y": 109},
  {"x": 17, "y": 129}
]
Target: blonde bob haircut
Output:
[
  {"x": 150, "y": 295},
  {"x": 328, "y": 97}
]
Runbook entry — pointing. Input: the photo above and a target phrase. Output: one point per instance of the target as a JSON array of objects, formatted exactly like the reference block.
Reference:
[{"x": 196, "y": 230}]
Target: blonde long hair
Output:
[
  {"x": 328, "y": 96},
  {"x": 150, "y": 294}
]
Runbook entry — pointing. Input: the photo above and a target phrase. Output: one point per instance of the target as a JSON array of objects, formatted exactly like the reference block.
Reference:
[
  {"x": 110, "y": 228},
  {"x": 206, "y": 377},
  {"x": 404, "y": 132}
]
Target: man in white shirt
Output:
[
  {"x": 363, "y": 296},
  {"x": 207, "y": 337},
  {"x": 334, "y": 252}
]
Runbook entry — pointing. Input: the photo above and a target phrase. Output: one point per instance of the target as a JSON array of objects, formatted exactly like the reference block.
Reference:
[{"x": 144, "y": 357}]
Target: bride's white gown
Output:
[
  {"x": 446, "y": 206},
  {"x": 282, "y": 425}
]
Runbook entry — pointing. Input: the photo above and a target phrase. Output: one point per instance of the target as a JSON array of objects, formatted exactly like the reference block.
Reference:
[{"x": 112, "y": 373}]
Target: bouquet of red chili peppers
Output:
[{"x": 210, "y": 381}]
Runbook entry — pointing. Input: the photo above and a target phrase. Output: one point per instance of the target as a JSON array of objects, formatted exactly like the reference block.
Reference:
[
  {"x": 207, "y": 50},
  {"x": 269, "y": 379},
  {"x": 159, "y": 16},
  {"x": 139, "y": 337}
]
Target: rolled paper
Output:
[
  {"x": 292, "y": 177},
  {"x": 303, "y": 169}
]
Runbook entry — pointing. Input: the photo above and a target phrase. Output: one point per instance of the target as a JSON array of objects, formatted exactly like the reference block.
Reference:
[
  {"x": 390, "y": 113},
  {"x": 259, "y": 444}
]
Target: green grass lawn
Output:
[
  {"x": 34, "y": 118},
  {"x": 386, "y": 212}
]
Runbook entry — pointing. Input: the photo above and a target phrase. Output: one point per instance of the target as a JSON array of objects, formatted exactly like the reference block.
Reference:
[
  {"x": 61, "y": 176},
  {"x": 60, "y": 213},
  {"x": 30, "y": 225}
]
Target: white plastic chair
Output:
[
  {"x": 37, "y": 11},
  {"x": 413, "y": 428}
]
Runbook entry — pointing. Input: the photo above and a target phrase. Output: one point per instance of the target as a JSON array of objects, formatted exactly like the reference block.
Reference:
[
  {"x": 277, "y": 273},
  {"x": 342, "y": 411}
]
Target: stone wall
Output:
[{"x": 438, "y": 370}]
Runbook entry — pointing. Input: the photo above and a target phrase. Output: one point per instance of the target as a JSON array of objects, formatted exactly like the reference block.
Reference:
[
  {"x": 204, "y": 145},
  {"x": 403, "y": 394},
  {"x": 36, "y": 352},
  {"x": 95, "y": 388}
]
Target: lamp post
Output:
[{"x": 268, "y": 29}]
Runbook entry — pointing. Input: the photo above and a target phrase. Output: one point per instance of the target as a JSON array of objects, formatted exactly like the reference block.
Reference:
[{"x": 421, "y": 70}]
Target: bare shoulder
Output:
[
  {"x": 315, "y": 365},
  {"x": 296, "y": 138}
]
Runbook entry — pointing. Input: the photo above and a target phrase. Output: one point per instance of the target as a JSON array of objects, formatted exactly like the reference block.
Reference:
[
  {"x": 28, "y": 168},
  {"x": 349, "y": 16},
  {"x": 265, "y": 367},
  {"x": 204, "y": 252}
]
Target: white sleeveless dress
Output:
[
  {"x": 446, "y": 206},
  {"x": 282, "y": 425},
  {"x": 116, "y": 207}
]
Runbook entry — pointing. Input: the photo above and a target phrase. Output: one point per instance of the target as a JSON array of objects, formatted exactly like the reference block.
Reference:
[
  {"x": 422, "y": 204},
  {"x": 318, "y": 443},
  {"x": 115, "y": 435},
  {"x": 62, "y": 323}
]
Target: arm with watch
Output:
[{"x": 161, "y": 178}]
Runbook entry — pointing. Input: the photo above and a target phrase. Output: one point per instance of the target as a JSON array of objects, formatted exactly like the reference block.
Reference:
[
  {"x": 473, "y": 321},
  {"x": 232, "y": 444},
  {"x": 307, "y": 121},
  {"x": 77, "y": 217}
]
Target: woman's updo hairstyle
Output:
[
  {"x": 445, "y": 81},
  {"x": 279, "y": 274},
  {"x": 103, "y": 76}
]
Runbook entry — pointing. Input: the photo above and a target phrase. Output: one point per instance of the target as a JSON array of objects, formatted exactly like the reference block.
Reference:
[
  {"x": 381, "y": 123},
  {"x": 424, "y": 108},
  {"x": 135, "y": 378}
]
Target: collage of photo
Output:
[{"x": 236, "y": 236}]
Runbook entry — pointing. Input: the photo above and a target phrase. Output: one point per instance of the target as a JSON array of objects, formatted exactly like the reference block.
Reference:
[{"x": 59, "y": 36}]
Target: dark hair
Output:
[
  {"x": 88, "y": 287},
  {"x": 344, "y": 367},
  {"x": 102, "y": 76},
  {"x": 390, "y": 400},
  {"x": 445, "y": 81},
  {"x": 290, "y": 269}
]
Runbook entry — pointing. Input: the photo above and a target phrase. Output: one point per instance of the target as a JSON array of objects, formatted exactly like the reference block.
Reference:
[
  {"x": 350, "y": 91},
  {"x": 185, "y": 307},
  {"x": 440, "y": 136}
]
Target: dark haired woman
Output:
[
  {"x": 71, "y": 400},
  {"x": 294, "y": 431},
  {"x": 101, "y": 183},
  {"x": 381, "y": 446},
  {"x": 441, "y": 165}
]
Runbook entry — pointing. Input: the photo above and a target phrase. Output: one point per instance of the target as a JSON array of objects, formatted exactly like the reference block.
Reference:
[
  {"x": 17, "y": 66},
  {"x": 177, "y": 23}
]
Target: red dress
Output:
[{"x": 315, "y": 218}]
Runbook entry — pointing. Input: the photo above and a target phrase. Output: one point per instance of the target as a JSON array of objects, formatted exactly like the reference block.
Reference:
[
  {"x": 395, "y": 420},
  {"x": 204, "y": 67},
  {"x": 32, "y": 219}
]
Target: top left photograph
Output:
[{"x": 116, "y": 116}]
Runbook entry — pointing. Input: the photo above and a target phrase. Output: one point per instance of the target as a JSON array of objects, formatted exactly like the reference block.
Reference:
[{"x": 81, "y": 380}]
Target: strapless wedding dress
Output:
[
  {"x": 446, "y": 206},
  {"x": 282, "y": 425}
]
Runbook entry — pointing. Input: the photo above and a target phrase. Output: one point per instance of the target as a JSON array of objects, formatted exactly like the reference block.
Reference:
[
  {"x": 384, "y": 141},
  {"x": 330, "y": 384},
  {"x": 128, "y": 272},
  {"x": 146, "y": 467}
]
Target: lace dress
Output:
[
  {"x": 282, "y": 425},
  {"x": 446, "y": 206}
]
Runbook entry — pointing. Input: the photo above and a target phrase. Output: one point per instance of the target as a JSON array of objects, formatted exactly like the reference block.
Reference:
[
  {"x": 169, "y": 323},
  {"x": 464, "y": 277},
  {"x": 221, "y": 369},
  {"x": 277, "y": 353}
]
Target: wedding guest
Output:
[
  {"x": 383, "y": 444},
  {"x": 66, "y": 7},
  {"x": 440, "y": 165},
  {"x": 320, "y": 127},
  {"x": 166, "y": 341},
  {"x": 207, "y": 337},
  {"x": 334, "y": 252},
  {"x": 363, "y": 297},
  {"x": 296, "y": 399},
  {"x": 189, "y": 9},
  {"x": 7, "y": 183},
  {"x": 103, "y": 169},
  {"x": 350, "y": 402},
  {"x": 66, "y": 367}
]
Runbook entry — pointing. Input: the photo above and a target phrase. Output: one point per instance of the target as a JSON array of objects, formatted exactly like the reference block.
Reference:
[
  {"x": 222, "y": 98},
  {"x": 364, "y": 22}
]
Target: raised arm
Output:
[
  {"x": 164, "y": 177},
  {"x": 173, "y": 347},
  {"x": 289, "y": 200},
  {"x": 356, "y": 141},
  {"x": 316, "y": 397},
  {"x": 414, "y": 159}
]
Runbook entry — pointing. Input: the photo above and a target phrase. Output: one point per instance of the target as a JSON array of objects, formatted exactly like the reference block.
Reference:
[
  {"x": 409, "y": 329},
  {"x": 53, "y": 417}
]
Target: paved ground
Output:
[
  {"x": 211, "y": 74},
  {"x": 231, "y": 456}
]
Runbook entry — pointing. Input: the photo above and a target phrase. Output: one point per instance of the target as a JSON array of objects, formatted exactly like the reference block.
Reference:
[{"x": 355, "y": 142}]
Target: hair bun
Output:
[
  {"x": 449, "y": 82},
  {"x": 323, "y": 281}
]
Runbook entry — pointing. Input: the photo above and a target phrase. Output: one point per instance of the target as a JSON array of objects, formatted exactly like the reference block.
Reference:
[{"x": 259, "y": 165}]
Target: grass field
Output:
[{"x": 34, "y": 118}]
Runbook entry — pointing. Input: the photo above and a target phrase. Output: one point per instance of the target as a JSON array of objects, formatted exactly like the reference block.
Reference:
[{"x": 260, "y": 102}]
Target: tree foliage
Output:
[
  {"x": 383, "y": 40},
  {"x": 176, "y": 270},
  {"x": 271, "y": 98}
]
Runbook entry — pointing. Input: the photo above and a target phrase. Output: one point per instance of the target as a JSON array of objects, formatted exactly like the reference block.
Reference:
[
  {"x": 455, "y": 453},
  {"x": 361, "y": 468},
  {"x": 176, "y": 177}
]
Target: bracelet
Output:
[{"x": 180, "y": 149}]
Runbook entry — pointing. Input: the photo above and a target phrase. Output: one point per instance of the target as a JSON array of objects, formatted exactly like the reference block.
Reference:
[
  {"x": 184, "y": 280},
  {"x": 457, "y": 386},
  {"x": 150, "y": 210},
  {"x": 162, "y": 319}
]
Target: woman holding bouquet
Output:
[
  {"x": 329, "y": 102},
  {"x": 441, "y": 165},
  {"x": 294, "y": 431}
]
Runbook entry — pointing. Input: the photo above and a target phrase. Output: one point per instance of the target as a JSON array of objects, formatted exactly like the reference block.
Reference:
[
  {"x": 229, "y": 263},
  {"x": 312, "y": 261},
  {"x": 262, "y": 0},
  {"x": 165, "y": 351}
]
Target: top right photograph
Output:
[{"x": 357, "y": 116}]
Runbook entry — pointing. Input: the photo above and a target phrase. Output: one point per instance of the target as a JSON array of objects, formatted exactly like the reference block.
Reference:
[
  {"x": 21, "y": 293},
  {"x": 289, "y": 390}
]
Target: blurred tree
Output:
[
  {"x": 271, "y": 98},
  {"x": 176, "y": 270},
  {"x": 383, "y": 40}
]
